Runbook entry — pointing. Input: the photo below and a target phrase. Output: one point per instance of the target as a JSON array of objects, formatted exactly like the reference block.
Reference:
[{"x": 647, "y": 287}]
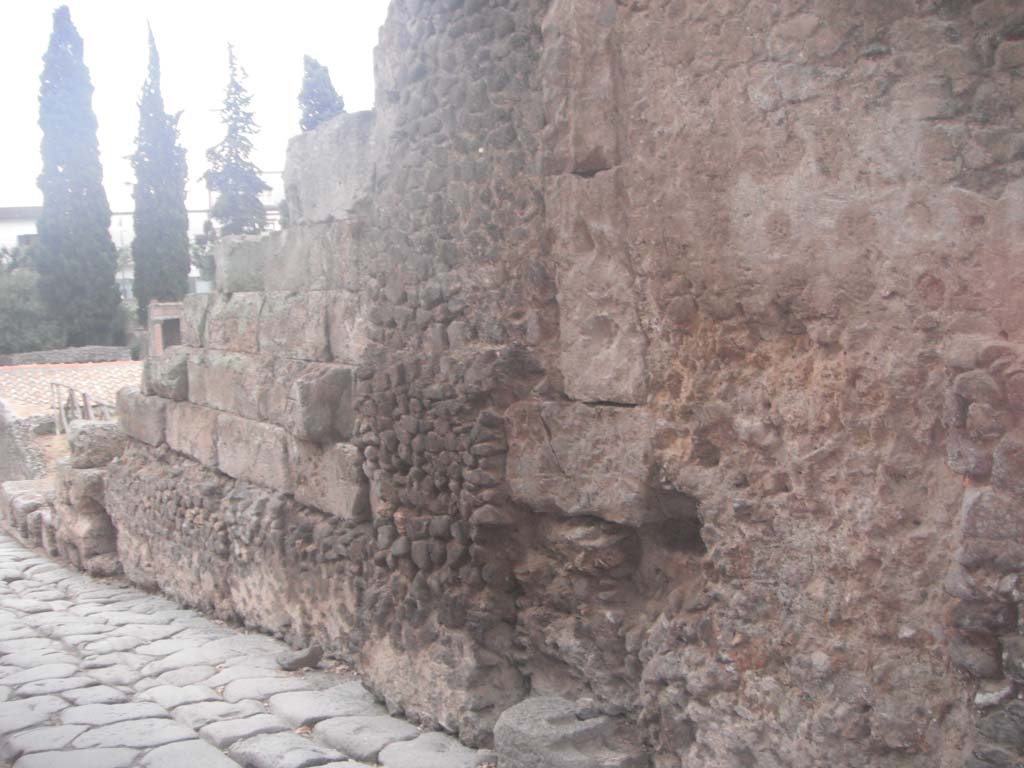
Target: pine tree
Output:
[
  {"x": 234, "y": 178},
  {"x": 160, "y": 249},
  {"x": 318, "y": 99},
  {"x": 76, "y": 258}
]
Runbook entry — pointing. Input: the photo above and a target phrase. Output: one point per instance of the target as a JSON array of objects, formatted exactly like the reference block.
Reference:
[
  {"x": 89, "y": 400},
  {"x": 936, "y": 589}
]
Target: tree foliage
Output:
[
  {"x": 25, "y": 322},
  {"x": 318, "y": 99},
  {"x": 76, "y": 258},
  {"x": 160, "y": 249},
  {"x": 232, "y": 175}
]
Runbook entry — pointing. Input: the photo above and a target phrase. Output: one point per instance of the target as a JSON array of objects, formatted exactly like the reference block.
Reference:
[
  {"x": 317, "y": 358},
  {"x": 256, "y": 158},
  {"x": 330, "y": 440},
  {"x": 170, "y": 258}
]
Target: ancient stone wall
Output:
[{"x": 659, "y": 356}]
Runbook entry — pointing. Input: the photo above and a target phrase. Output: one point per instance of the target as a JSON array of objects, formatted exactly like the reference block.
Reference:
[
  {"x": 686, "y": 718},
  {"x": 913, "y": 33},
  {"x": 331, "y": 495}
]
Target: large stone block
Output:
[
  {"x": 321, "y": 404},
  {"x": 239, "y": 261},
  {"x": 192, "y": 430},
  {"x": 317, "y": 257},
  {"x": 253, "y": 451},
  {"x": 193, "y": 318},
  {"x": 140, "y": 416},
  {"x": 574, "y": 459},
  {"x": 347, "y": 327},
  {"x": 166, "y": 375},
  {"x": 229, "y": 381},
  {"x": 329, "y": 168},
  {"x": 602, "y": 346},
  {"x": 232, "y": 322},
  {"x": 95, "y": 443},
  {"x": 294, "y": 325},
  {"x": 330, "y": 478},
  {"x": 546, "y": 731},
  {"x": 86, "y": 486}
]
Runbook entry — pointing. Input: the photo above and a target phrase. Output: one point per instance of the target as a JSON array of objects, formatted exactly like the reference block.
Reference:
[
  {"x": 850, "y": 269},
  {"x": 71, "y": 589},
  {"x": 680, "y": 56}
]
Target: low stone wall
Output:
[
  {"x": 94, "y": 354},
  {"x": 14, "y": 464}
]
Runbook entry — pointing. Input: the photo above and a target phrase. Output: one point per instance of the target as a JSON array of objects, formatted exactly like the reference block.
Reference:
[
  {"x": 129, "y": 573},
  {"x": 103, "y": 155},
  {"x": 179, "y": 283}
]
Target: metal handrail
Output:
[{"x": 76, "y": 405}]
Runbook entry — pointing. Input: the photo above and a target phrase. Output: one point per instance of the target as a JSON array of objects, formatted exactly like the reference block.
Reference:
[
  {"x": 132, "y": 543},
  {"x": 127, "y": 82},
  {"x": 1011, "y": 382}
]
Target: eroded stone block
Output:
[
  {"x": 576, "y": 459},
  {"x": 192, "y": 430},
  {"x": 347, "y": 327},
  {"x": 142, "y": 417},
  {"x": 294, "y": 325},
  {"x": 329, "y": 168},
  {"x": 229, "y": 381},
  {"x": 254, "y": 451},
  {"x": 193, "y": 318},
  {"x": 94, "y": 443},
  {"x": 320, "y": 404},
  {"x": 316, "y": 257},
  {"x": 232, "y": 322},
  {"x": 330, "y": 478},
  {"x": 166, "y": 375}
]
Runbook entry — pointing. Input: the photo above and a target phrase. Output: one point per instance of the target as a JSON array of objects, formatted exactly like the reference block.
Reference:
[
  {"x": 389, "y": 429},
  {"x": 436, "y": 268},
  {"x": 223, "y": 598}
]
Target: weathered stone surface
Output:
[
  {"x": 347, "y": 327},
  {"x": 319, "y": 189},
  {"x": 254, "y": 451},
  {"x": 989, "y": 514},
  {"x": 39, "y": 740},
  {"x": 364, "y": 737},
  {"x": 166, "y": 375},
  {"x": 94, "y": 758},
  {"x": 229, "y": 381},
  {"x": 316, "y": 257},
  {"x": 300, "y": 659},
  {"x": 139, "y": 734},
  {"x": 321, "y": 404},
  {"x": 224, "y": 733},
  {"x": 239, "y": 262},
  {"x": 281, "y": 750},
  {"x": 141, "y": 417},
  {"x": 545, "y": 731},
  {"x": 194, "y": 308},
  {"x": 309, "y": 707},
  {"x": 192, "y": 430},
  {"x": 329, "y": 478},
  {"x": 431, "y": 750},
  {"x": 94, "y": 443},
  {"x": 186, "y": 754},
  {"x": 232, "y": 322},
  {"x": 294, "y": 325}
]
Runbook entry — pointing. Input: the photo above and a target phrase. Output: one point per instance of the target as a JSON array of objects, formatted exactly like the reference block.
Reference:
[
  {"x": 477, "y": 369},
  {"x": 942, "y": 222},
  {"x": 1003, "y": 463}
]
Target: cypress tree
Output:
[
  {"x": 160, "y": 248},
  {"x": 76, "y": 258},
  {"x": 234, "y": 178},
  {"x": 318, "y": 99}
]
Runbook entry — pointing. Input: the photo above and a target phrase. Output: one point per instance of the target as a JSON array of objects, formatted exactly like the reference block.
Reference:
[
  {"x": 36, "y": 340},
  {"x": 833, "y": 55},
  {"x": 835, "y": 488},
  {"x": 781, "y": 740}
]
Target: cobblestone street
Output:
[{"x": 98, "y": 674}]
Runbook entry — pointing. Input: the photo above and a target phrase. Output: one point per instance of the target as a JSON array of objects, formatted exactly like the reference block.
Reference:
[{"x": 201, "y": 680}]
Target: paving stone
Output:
[
  {"x": 96, "y": 694},
  {"x": 195, "y": 716},
  {"x": 34, "y": 643},
  {"x": 281, "y": 750},
  {"x": 226, "y": 732},
  {"x": 24, "y": 713},
  {"x": 103, "y": 714},
  {"x": 171, "y": 696},
  {"x": 187, "y": 675},
  {"x": 232, "y": 673},
  {"x": 44, "y": 672},
  {"x": 263, "y": 687},
  {"x": 310, "y": 707},
  {"x": 29, "y": 660},
  {"x": 115, "y": 676},
  {"x": 364, "y": 737},
  {"x": 57, "y": 685},
  {"x": 5, "y": 693},
  {"x": 431, "y": 750},
  {"x": 186, "y": 754},
  {"x": 149, "y": 632},
  {"x": 153, "y": 732},
  {"x": 113, "y": 644},
  {"x": 166, "y": 647},
  {"x": 39, "y": 740},
  {"x": 80, "y": 758}
]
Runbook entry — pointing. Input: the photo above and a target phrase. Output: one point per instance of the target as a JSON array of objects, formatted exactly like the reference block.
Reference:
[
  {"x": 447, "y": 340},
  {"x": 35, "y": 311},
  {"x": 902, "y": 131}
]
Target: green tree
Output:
[
  {"x": 318, "y": 99},
  {"x": 76, "y": 259},
  {"x": 160, "y": 249},
  {"x": 232, "y": 176},
  {"x": 25, "y": 322}
]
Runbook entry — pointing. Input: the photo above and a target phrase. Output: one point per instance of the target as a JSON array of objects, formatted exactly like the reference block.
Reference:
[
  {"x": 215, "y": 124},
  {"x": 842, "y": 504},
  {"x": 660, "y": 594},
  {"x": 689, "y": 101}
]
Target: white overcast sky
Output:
[{"x": 270, "y": 39}]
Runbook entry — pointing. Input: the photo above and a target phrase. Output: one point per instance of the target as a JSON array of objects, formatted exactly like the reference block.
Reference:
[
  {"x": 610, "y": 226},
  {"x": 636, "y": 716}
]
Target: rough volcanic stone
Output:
[
  {"x": 363, "y": 738},
  {"x": 141, "y": 417},
  {"x": 229, "y": 381},
  {"x": 320, "y": 404},
  {"x": 545, "y": 731},
  {"x": 1008, "y": 465},
  {"x": 94, "y": 443},
  {"x": 300, "y": 659},
  {"x": 294, "y": 325},
  {"x": 309, "y": 707},
  {"x": 232, "y": 322},
  {"x": 430, "y": 750},
  {"x": 347, "y": 327},
  {"x": 281, "y": 750}
]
